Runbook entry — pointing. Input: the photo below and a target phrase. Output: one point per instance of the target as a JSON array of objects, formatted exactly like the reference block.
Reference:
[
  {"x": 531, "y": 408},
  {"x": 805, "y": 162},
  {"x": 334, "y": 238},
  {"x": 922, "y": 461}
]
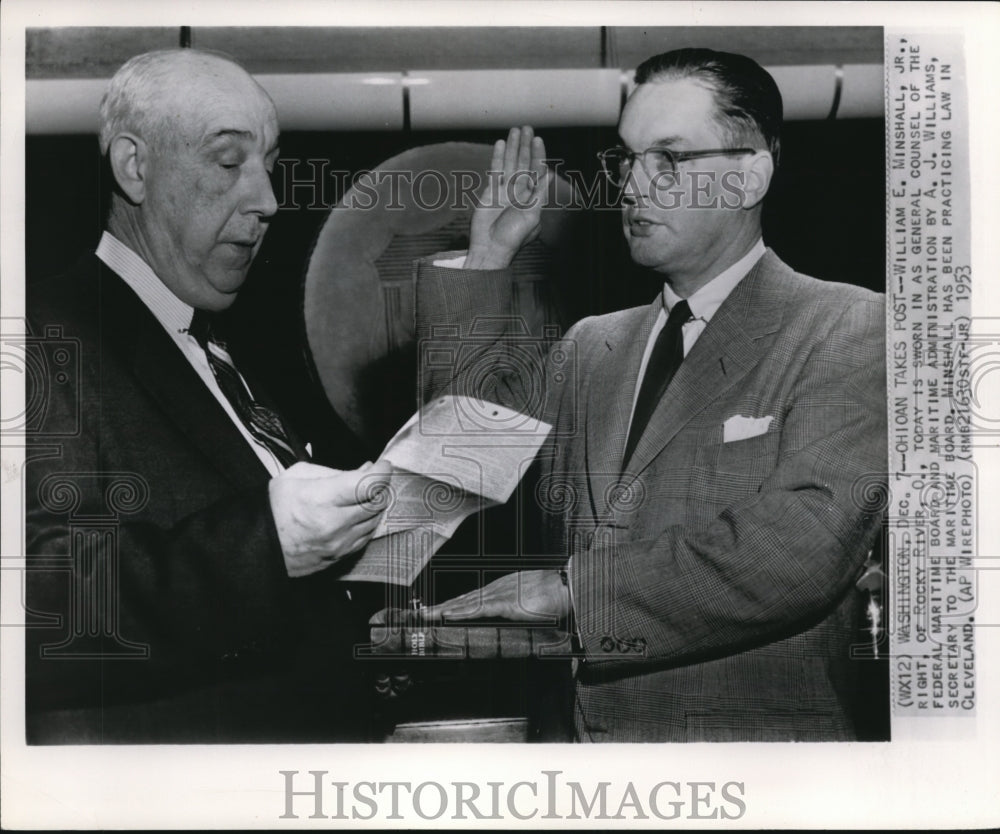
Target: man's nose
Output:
[
  {"x": 635, "y": 190},
  {"x": 260, "y": 198}
]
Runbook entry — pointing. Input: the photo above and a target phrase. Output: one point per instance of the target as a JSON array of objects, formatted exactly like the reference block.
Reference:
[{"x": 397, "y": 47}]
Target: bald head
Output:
[
  {"x": 155, "y": 94},
  {"x": 191, "y": 140}
]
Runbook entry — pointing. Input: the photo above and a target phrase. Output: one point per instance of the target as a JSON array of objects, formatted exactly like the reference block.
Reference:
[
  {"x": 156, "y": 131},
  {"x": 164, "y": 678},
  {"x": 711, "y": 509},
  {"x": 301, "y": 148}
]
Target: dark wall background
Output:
[{"x": 825, "y": 216}]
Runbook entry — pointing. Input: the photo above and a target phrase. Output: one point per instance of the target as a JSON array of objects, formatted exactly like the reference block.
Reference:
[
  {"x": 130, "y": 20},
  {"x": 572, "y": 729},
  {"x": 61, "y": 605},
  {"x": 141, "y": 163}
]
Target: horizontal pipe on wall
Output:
[
  {"x": 454, "y": 99},
  {"x": 500, "y": 98},
  {"x": 62, "y": 105},
  {"x": 808, "y": 91},
  {"x": 345, "y": 101},
  {"x": 863, "y": 92}
]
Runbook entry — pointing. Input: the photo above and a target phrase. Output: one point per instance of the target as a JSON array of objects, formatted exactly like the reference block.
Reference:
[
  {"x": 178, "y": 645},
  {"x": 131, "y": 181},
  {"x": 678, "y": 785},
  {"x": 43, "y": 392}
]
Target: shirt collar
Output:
[
  {"x": 709, "y": 298},
  {"x": 169, "y": 310}
]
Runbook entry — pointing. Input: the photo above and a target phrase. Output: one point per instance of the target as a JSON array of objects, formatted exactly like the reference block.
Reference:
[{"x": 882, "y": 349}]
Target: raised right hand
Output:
[
  {"x": 509, "y": 210},
  {"x": 324, "y": 514}
]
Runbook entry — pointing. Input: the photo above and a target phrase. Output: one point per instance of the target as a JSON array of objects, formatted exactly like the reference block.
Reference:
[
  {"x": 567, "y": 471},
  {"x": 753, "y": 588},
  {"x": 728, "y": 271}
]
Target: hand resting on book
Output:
[
  {"x": 520, "y": 615},
  {"x": 530, "y": 596}
]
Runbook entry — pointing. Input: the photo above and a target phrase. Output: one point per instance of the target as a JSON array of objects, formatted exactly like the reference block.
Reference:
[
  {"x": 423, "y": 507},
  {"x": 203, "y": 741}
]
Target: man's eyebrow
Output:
[
  {"x": 225, "y": 133},
  {"x": 662, "y": 142},
  {"x": 666, "y": 141}
]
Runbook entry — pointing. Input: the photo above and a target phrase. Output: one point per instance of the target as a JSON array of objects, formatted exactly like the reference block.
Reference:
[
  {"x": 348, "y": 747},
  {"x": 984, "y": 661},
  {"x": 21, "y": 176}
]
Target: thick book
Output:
[{"x": 402, "y": 634}]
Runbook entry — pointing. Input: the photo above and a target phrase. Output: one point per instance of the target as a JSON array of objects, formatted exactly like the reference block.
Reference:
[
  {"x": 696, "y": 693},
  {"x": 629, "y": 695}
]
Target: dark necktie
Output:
[
  {"x": 263, "y": 423},
  {"x": 664, "y": 360}
]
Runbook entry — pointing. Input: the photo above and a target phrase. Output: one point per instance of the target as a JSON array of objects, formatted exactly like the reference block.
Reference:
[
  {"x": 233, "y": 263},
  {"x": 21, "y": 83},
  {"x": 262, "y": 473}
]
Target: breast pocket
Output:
[
  {"x": 725, "y": 473},
  {"x": 738, "y": 454}
]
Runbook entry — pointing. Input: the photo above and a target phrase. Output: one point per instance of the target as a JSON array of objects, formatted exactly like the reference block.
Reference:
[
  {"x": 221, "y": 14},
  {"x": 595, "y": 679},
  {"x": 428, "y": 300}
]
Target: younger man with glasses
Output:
[{"x": 741, "y": 412}]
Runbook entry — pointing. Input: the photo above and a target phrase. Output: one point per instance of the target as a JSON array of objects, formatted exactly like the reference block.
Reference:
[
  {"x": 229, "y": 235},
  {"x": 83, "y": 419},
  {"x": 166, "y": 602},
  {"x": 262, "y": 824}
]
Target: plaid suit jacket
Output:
[{"x": 713, "y": 582}]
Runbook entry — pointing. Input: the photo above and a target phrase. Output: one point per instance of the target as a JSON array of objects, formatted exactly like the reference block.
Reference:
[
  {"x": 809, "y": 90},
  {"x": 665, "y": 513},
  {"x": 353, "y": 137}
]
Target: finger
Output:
[
  {"x": 541, "y": 195},
  {"x": 380, "y": 468},
  {"x": 359, "y": 520},
  {"x": 511, "y": 151},
  {"x": 454, "y": 616},
  {"x": 499, "y": 149},
  {"x": 358, "y": 528},
  {"x": 308, "y": 469},
  {"x": 431, "y": 613},
  {"x": 465, "y": 604},
  {"x": 538, "y": 166},
  {"x": 538, "y": 153},
  {"x": 367, "y": 525},
  {"x": 490, "y": 193},
  {"x": 360, "y": 542},
  {"x": 357, "y": 535},
  {"x": 524, "y": 149},
  {"x": 476, "y": 607},
  {"x": 362, "y": 486}
]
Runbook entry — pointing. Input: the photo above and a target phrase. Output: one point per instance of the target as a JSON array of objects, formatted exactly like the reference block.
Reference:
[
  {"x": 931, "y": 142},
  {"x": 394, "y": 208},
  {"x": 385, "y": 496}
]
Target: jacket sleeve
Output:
[
  {"x": 120, "y": 607},
  {"x": 462, "y": 319},
  {"x": 774, "y": 562}
]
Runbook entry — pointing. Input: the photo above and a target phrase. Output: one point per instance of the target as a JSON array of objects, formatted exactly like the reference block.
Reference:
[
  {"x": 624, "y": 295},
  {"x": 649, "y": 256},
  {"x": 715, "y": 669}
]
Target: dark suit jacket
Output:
[
  {"x": 713, "y": 583},
  {"x": 159, "y": 606}
]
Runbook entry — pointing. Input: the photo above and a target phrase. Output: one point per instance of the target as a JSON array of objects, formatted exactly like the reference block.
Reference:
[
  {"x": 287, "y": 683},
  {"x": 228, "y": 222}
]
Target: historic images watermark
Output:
[
  {"x": 312, "y": 184},
  {"x": 315, "y": 795}
]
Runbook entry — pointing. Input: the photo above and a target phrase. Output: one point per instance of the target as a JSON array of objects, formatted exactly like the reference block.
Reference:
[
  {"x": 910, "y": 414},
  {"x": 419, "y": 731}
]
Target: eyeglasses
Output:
[{"x": 617, "y": 162}]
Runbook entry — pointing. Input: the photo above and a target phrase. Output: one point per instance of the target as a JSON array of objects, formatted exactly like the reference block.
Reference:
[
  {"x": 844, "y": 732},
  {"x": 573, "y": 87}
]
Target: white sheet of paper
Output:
[{"x": 454, "y": 457}]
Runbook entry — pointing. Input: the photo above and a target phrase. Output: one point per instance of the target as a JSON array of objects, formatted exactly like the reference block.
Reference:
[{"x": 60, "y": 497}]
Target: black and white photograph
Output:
[{"x": 491, "y": 382}]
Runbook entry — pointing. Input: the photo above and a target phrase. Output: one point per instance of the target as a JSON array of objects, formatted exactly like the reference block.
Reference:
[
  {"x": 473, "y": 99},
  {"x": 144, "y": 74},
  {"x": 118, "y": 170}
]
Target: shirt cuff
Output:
[
  {"x": 571, "y": 625},
  {"x": 452, "y": 263}
]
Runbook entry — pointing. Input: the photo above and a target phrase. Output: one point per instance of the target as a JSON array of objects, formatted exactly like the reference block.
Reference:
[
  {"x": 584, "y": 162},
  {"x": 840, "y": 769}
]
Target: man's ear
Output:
[
  {"x": 759, "y": 171},
  {"x": 129, "y": 156}
]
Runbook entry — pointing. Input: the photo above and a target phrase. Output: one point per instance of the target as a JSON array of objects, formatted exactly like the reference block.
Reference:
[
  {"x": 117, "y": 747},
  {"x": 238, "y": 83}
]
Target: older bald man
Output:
[{"x": 179, "y": 544}]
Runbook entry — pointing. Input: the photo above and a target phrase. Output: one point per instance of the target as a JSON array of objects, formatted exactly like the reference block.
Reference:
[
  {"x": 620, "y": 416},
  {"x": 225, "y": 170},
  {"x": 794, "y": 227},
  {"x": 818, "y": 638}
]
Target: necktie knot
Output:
[
  {"x": 202, "y": 329},
  {"x": 679, "y": 314}
]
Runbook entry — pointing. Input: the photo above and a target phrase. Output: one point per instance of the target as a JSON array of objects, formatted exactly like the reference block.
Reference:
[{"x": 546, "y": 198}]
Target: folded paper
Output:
[{"x": 454, "y": 457}]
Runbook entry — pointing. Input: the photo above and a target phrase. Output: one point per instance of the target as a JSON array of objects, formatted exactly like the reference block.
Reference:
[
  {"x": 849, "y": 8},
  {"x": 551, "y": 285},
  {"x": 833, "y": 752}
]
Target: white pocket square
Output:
[{"x": 739, "y": 427}]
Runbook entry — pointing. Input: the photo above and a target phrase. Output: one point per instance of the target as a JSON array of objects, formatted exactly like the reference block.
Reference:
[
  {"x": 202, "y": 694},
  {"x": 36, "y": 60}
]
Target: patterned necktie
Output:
[
  {"x": 263, "y": 423},
  {"x": 664, "y": 360}
]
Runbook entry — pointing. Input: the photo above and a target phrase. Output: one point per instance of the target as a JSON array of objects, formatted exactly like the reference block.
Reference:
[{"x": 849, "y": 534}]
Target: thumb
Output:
[
  {"x": 368, "y": 485},
  {"x": 544, "y": 183},
  {"x": 307, "y": 469},
  {"x": 540, "y": 169}
]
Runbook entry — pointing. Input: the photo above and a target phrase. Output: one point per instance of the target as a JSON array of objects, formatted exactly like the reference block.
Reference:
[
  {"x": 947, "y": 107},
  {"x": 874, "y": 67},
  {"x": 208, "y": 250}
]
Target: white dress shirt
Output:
[
  {"x": 175, "y": 317},
  {"x": 703, "y": 303}
]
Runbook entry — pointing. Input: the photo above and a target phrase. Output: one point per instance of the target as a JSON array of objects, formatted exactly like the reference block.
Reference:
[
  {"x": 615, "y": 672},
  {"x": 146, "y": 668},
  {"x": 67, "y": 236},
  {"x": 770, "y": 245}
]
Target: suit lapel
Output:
[
  {"x": 723, "y": 355},
  {"x": 166, "y": 375},
  {"x": 609, "y": 399}
]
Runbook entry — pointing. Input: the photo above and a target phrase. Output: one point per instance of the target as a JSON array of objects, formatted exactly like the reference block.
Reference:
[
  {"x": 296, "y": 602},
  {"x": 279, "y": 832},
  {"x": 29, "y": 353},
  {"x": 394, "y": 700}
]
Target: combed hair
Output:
[
  {"x": 747, "y": 100},
  {"x": 131, "y": 100}
]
